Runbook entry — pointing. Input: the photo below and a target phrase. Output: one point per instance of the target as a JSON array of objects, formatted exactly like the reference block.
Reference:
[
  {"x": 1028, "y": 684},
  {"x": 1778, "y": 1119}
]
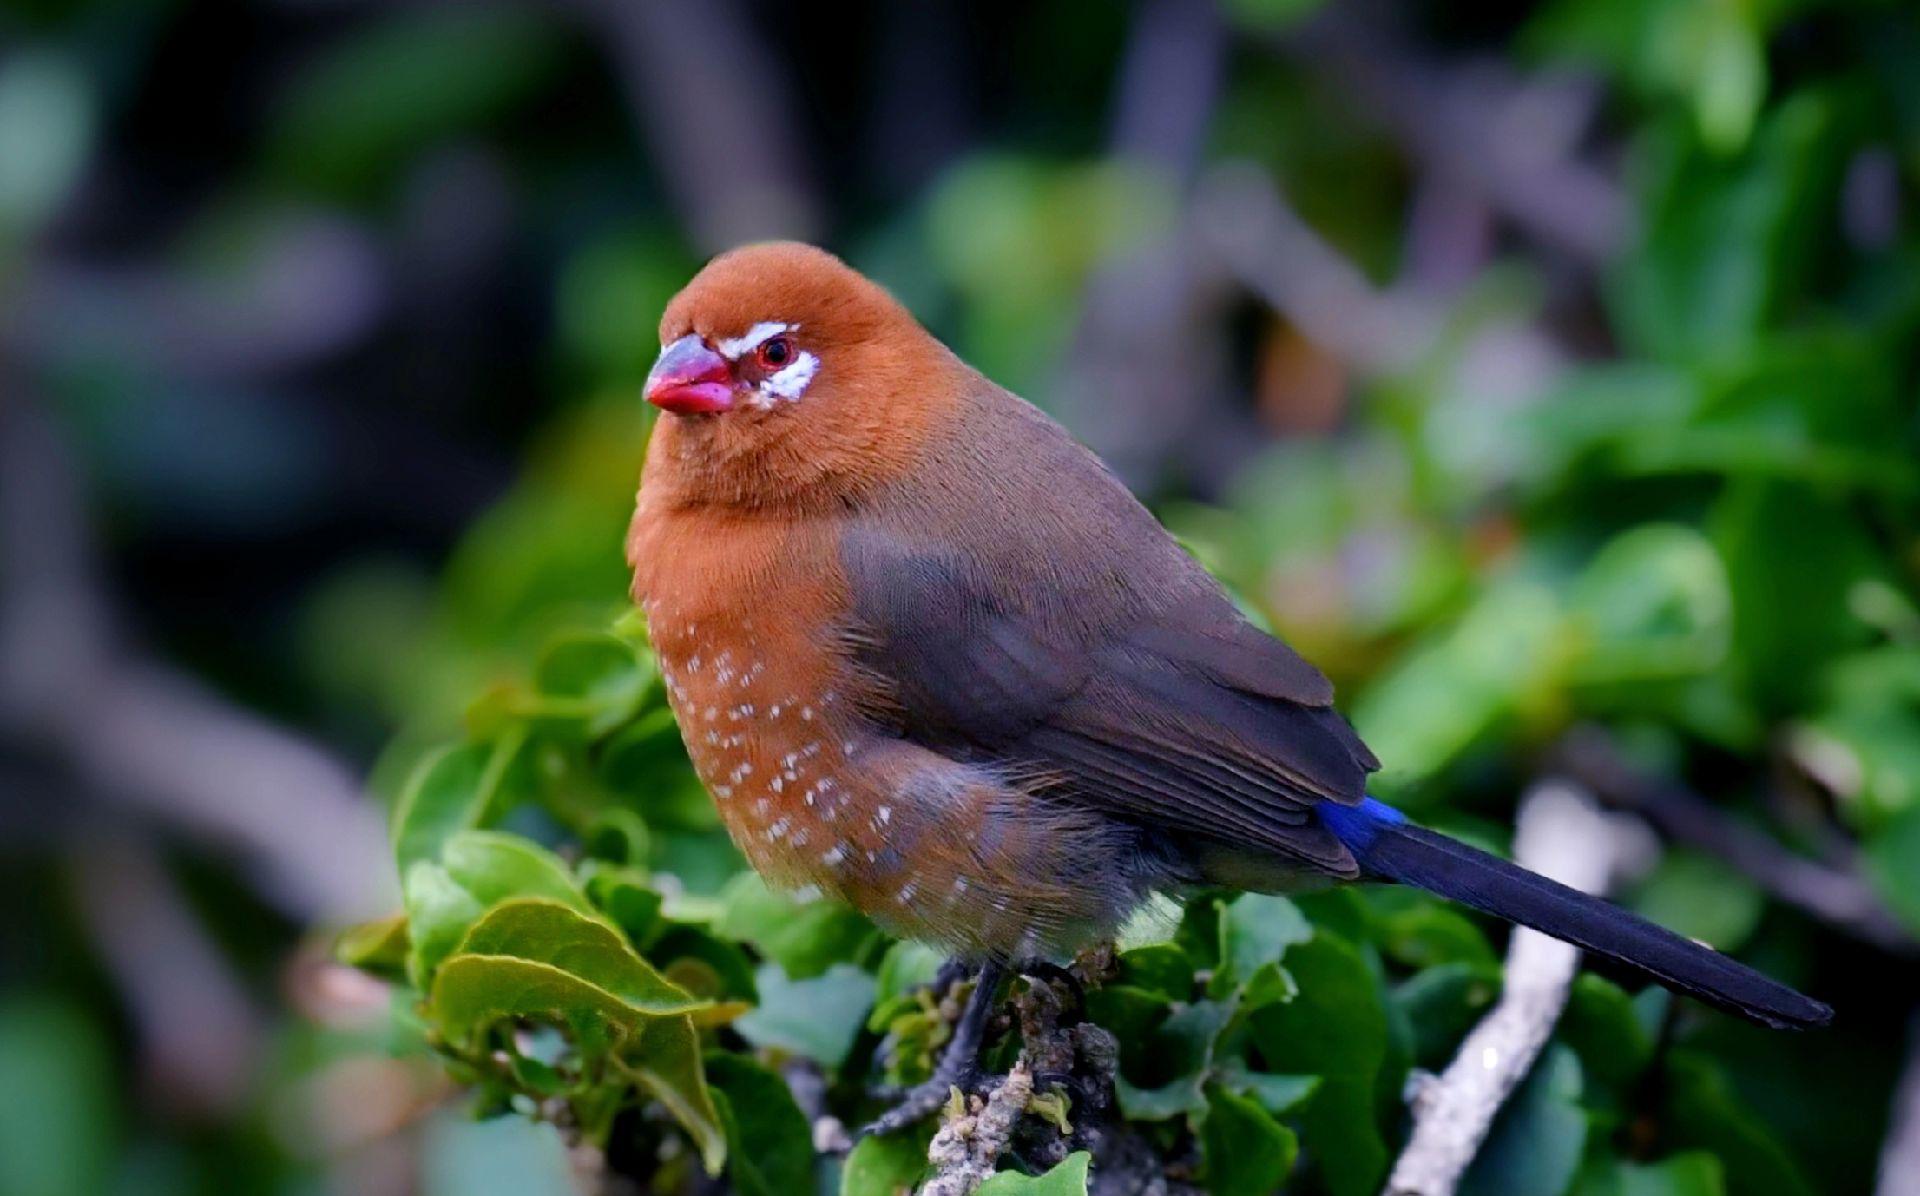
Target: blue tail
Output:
[{"x": 1388, "y": 847}]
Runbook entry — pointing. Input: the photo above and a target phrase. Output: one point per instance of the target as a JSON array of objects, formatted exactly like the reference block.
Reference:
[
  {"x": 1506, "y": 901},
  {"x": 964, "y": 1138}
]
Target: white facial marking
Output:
[
  {"x": 734, "y": 348},
  {"x": 789, "y": 384}
]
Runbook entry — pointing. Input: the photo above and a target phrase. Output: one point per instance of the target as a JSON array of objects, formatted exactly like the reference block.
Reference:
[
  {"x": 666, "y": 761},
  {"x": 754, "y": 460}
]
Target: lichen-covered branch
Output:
[{"x": 964, "y": 1150}]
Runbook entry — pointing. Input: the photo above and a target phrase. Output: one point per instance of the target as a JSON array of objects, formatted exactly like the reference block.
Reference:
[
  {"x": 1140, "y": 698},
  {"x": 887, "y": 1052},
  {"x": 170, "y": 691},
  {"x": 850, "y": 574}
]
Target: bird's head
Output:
[{"x": 783, "y": 371}]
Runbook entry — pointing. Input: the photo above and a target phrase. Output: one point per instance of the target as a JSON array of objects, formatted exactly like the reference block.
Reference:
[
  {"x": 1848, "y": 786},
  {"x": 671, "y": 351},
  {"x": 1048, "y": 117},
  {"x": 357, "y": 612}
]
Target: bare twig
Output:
[
  {"x": 705, "y": 91},
  {"x": 200, "y": 1034},
  {"x": 1514, "y": 139},
  {"x": 139, "y": 733},
  {"x": 1244, "y": 220},
  {"x": 1835, "y": 894},
  {"x": 1900, "y": 1156},
  {"x": 1561, "y": 834}
]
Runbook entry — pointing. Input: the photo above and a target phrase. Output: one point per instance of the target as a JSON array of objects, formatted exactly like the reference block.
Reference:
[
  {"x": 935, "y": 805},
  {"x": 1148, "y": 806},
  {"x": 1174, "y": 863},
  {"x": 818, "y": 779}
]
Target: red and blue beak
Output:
[{"x": 690, "y": 379}]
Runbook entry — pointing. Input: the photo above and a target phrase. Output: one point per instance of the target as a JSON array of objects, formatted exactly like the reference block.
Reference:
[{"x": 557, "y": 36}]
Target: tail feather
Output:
[{"x": 1389, "y": 848}]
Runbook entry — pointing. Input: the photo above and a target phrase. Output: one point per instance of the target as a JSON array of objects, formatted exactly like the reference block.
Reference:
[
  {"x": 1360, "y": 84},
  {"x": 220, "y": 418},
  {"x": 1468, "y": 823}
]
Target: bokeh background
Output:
[{"x": 1546, "y": 373}]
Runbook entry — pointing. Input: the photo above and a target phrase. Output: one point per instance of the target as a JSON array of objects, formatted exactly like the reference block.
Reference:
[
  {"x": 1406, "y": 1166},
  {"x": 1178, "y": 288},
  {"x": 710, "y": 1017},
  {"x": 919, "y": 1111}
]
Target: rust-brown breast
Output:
[{"x": 740, "y": 610}]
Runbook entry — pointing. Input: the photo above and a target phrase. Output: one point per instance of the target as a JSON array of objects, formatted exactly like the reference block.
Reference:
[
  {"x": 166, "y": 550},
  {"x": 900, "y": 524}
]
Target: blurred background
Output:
[{"x": 1545, "y": 373}]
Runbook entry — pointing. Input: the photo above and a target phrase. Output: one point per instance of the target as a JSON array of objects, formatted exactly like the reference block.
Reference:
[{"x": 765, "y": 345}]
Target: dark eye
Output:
[{"x": 776, "y": 351}]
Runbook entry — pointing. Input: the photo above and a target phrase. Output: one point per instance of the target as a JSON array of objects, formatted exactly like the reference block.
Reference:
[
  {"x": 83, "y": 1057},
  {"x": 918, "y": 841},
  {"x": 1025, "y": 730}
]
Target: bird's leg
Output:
[
  {"x": 959, "y": 1067},
  {"x": 1053, "y": 973},
  {"x": 951, "y": 972}
]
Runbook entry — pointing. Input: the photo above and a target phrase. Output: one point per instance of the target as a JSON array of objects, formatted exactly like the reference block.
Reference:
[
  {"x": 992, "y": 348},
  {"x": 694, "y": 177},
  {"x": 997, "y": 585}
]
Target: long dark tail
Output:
[{"x": 1389, "y": 848}]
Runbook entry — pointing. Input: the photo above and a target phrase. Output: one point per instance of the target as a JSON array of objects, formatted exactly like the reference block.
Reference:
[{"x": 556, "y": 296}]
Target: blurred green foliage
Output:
[{"x": 1700, "y": 531}]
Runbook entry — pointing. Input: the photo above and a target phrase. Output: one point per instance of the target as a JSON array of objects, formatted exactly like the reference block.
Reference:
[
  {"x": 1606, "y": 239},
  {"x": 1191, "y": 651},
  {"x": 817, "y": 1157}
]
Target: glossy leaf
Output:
[
  {"x": 769, "y": 1142},
  {"x": 886, "y": 1164},
  {"x": 1247, "y": 1152},
  {"x": 1068, "y": 1178},
  {"x": 818, "y": 1017},
  {"x": 804, "y": 937}
]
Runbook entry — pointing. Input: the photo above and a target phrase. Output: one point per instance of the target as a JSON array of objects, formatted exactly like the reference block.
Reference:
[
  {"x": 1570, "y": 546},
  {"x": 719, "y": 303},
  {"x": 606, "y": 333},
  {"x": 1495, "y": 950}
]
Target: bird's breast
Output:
[{"x": 742, "y": 617}]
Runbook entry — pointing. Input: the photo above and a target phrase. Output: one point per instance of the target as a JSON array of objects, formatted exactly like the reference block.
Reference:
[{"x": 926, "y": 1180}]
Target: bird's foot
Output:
[
  {"x": 959, "y": 1066},
  {"x": 923, "y": 1100}
]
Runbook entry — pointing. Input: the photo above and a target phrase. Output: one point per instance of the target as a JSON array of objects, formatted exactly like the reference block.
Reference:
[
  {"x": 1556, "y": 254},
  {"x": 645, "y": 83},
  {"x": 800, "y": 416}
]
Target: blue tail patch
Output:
[{"x": 1358, "y": 826}]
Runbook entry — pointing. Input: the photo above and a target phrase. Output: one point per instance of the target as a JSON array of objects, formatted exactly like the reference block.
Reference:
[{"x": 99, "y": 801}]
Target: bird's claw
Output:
[{"x": 923, "y": 1100}]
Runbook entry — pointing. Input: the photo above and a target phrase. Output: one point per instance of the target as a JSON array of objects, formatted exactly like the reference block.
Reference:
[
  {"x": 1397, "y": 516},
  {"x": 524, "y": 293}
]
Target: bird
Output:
[{"x": 931, "y": 657}]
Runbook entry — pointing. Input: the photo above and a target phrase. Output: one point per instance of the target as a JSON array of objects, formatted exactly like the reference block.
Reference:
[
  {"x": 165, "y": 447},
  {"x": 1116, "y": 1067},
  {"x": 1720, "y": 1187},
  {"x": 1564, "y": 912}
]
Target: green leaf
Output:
[
  {"x": 1538, "y": 1139},
  {"x": 904, "y": 969},
  {"x": 1255, "y": 929},
  {"x": 439, "y": 911},
  {"x": 1180, "y": 1051},
  {"x": 1893, "y": 863},
  {"x": 1336, "y": 1028},
  {"x": 1726, "y": 244},
  {"x": 770, "y": 1144},
  {"x": 379, "y": 946},
  {"x": 624, "y": 896},
  {"x": 452, "y": 790},
  {"x": 804, "y": 938},
  {"x": 377, "y": 98},
  {"x": 1652, "y": 605},
  {"x": 818, "y": 1017},
  {"x": 1695, "y": 1173},
  {"x": 1462, "y": 681},
  {"x": 1247, "y": 1152},
  {"x": 502, "y": 1156},
  {"x": 480, "y": 869},
  {"x": 665, "y": 1058},
  {"x": 471, "y": 994},
  {"x": 1793, "y": 557},
  {"x": 703, "y": 964},
  {"x": 497, "y": 867},
  {"x": 1278, "y": 1095},
  {"x": 1163, "y": 968},
  {"x": 618, "y": 836},
  {"x": 646, "y": 763},
  {"x": 548, "y": 932},
  {"x": 886, "y": 1165},
  {"x": 58, "y": 1135},
  {"x": 1704, "y": 1113},
  {"x": 593, "y": 679},
  {"x": 1601, "y": 1026},
  {"x": 1441, "y": 1004},
  {"x": 1426, "y": 934},
  {"x": 1702, "y": 898},
  {"x": 1069, "y": 1178}
]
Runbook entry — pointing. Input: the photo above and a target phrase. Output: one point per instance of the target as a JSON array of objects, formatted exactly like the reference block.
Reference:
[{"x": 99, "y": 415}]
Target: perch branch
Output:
[
  {"x": 964, "y": 1150},
  {"x": 1562, "y": 835}
]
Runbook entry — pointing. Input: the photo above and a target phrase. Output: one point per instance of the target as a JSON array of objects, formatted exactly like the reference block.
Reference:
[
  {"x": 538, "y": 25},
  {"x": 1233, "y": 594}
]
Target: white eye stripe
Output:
[{"x": 734, "y": 348}]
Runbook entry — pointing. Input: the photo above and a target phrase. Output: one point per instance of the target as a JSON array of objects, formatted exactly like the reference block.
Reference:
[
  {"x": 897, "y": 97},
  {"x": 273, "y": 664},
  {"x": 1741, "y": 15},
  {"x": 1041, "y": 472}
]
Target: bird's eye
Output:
[{"x": 775, "y": 352}]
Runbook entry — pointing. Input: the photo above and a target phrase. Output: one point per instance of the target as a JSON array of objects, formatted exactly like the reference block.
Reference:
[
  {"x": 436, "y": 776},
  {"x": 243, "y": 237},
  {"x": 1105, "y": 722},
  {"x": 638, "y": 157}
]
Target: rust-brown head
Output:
[{"x": 784, "y": 374}]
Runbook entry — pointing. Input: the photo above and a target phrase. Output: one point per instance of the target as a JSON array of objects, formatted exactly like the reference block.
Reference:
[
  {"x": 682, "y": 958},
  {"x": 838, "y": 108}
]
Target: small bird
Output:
[{"x": 931, "y": 657}]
